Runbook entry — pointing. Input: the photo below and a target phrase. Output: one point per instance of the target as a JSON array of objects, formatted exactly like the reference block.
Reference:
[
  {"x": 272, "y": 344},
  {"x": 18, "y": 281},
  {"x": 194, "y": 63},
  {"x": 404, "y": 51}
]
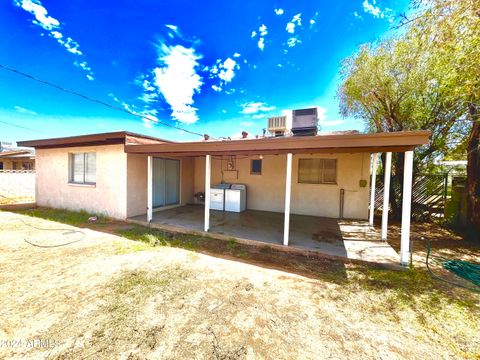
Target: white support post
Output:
[
  {"x": 406, "y": 209},
  {"x": 149, "y": 188},
  {"x": 372, "y": 187},
  {"x": 288, "y": 194},
  {"x": 208, "y": 173},
  {"x": 386, "y": 194}
]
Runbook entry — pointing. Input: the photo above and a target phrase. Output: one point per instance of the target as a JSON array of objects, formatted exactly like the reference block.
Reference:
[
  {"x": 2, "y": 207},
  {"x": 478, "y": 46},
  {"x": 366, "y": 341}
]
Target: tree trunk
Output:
[{"x": 473, "y": 173}]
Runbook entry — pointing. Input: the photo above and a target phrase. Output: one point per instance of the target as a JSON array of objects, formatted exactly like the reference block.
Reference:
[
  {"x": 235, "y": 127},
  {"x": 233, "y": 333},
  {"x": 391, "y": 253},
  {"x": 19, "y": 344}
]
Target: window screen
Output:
[
  {"x": 83, "y": 168},
  {"x": 317, "y": 171},
  {"x": 256, "y": 167}
]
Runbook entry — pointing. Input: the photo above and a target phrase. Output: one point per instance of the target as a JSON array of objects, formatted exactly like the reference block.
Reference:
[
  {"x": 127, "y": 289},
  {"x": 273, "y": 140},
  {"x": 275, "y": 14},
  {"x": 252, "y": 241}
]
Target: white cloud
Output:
[
  {"x": 53, "y": 26},
  {"x": 236, "y": 55},
  {"x": 376, "y": 11},
  {"x": 371, "y": 8},
  {"x": 90, "y": 77},
  {"x": 263, "y": 30},
  {"x": 228, "y": 70},
  {"x": 246, "y": 124},
  {"x": 172, "y": 27},
  {"x": 224, "y": 71},
  {"x": 296, "y": 21},
  {"x": 42, "y": 18},
  {"x": 176, "y": 79},
  {"x": 255, "y": 107},
  {"x": 279, "y": 11},
  {"x": 261, "y": 43},
  {"x": 23, "y": 110},
  {"x": 357, "y": 15},
  {"x": 290, "y": 27},
  {"x": 293, "y": 41}
]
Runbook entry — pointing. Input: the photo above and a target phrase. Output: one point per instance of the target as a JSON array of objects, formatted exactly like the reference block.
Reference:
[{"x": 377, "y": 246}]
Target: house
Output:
[
  {"x": 14, "y": 158},
  {"x": 124, "y": 175}
]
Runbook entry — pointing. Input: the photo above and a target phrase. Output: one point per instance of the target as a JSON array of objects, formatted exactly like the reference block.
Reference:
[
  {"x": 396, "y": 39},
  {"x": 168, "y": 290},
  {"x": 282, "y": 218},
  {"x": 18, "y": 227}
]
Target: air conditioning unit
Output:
[
  {"x": 277, "y": 125},
  {"x": 305, "y": 121}
]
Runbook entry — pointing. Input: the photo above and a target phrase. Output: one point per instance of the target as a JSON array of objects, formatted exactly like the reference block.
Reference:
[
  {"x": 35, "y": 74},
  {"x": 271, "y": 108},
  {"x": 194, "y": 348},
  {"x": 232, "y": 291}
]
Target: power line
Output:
[
  {"x": 88, "y": 98},
  {"x": 20, "y": 126}
]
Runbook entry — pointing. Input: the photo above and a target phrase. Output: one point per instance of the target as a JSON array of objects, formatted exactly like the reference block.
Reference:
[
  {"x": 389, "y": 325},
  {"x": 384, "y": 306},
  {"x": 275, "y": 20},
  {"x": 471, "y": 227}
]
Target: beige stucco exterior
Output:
[
  {"x": 267, "y": 191},
  {"x": 108, "y": 196},
  {"x": 121, "y": 187}
]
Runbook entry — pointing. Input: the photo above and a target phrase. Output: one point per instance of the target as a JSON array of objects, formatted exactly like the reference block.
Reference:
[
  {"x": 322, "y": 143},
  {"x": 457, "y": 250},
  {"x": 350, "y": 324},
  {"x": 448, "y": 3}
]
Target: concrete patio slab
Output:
[{"x": 351, "y": 239}]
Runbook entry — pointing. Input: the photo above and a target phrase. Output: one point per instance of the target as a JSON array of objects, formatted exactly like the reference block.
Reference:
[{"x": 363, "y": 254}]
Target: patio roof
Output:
[{"x": 326, "y": 143}]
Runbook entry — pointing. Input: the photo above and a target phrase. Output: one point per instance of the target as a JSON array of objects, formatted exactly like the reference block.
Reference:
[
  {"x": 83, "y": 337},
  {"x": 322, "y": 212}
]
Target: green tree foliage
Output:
[{"x": 425, "y": 77}]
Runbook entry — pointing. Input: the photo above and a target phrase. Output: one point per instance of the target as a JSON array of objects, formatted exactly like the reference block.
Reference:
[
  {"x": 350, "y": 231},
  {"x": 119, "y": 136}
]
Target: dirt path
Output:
[{"x": 107, "y": 297}]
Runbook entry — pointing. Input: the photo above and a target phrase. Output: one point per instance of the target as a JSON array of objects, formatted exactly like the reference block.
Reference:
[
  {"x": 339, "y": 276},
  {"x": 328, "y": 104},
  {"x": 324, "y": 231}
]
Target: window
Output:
[
  {"x": 83, "y": 168},
  {"x": 317, "y": 171},
  {"x": 256, "y": 167},
  {"x": 1, "y": 165}
]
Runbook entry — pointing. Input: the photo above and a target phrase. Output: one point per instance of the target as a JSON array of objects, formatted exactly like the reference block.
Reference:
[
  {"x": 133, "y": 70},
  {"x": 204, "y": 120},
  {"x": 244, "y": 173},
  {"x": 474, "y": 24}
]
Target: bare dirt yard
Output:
[{"x": 120, "y": 291}]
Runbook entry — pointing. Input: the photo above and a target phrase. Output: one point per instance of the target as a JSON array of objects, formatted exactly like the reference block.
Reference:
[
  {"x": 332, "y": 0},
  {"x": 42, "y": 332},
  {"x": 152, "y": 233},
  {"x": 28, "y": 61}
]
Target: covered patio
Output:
[
  {"x": 333, "y": 230},
  {"x": 352, "y": 239}
]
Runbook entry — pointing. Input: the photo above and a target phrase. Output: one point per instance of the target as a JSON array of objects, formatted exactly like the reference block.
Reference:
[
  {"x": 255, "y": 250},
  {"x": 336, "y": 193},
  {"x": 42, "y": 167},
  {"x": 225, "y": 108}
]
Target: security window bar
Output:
[
  {"x": 317, "y": 171},
  {"x": 83, "y": 168}
]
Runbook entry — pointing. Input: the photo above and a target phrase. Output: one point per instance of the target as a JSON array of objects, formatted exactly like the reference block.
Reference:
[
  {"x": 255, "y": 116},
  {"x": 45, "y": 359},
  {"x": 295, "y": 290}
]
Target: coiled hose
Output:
[{"x": 464, "y": 269}]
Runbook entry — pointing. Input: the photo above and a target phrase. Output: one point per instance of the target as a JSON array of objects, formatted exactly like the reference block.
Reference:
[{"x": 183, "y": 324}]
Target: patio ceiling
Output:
[{"x": 328, "y": 143}]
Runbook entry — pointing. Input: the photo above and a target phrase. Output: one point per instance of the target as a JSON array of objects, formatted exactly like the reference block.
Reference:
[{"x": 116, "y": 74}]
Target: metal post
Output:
[
  {"x": 149, "y": 188},
  {"x": 288, "y": 194},
  {"x": 372, "y": 187},
  {"x": 386, "y": 194},
  {"x": 406, "y": 209},
  {"x": 208, "y": 173}
]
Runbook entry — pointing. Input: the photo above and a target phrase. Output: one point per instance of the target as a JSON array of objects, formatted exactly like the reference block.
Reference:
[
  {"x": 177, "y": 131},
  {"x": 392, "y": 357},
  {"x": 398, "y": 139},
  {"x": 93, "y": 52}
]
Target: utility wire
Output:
[
  {"x": 20, "y": 126},
  {"x": 88, "y": 98}
]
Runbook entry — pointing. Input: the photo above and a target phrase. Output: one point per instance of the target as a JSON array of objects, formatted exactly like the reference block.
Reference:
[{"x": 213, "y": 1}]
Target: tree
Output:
[
  {"x": 452, "y": 29},
  {"x": 395, "y": 86}
]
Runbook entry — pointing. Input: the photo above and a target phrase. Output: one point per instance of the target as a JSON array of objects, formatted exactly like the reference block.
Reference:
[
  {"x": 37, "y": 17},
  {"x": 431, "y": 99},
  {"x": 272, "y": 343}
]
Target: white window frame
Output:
[
  {"x": 70, "y": 168},
  {"x": 322, "y": 172}
]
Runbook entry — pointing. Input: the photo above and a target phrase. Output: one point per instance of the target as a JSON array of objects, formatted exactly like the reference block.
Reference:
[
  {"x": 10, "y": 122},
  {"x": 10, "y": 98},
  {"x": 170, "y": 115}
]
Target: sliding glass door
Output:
[{"x": 166, "y": 182}]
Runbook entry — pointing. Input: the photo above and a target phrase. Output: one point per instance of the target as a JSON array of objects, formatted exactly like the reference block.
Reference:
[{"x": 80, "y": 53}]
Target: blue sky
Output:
[{"x": 216, "y": 67}]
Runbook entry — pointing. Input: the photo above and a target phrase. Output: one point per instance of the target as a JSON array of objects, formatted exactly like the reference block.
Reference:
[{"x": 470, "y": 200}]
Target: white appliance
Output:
[
  {"x": 236, "y": 198},
  {"x": 217, "y": 196}
]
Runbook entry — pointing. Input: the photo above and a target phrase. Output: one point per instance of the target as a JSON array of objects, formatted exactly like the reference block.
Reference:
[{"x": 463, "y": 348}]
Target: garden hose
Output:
[{"x": 464, "y": 269}]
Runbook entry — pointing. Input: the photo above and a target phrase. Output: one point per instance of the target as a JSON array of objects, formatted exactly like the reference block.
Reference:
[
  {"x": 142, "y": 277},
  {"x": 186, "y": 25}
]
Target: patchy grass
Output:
[
  {"x": 160, "y": 302},
  {"x": 75, "y": 218}
]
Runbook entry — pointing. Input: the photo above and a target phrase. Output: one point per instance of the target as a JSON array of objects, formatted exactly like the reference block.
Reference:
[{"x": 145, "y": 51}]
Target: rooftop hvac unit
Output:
[
  {"x": 277, "y": 125},
  {"x": 305, "y": 122}
]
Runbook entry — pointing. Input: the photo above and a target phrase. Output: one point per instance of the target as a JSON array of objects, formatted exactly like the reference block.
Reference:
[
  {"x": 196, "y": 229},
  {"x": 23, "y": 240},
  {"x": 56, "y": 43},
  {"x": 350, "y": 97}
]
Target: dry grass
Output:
[{"x": 107, "y": 297}]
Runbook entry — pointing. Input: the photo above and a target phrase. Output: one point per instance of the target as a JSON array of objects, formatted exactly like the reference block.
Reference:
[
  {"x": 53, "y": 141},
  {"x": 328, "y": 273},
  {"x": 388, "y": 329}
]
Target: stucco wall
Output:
[
  {"x": 108, "y": 196},
  {"x": 267, "y": 191},
  {"x": 137, "y": 183}
]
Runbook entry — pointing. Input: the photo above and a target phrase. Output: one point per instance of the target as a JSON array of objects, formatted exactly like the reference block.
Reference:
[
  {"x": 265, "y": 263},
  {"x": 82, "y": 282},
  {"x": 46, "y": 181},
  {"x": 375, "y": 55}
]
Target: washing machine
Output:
[
  {"x": 236, "y": 198},
  {"x": 217, "y": 196}
]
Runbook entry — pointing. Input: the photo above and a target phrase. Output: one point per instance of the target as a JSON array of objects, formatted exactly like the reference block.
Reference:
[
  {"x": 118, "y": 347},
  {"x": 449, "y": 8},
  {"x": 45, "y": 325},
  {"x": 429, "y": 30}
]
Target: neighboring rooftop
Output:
[{"x": 118, "y": 137}]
